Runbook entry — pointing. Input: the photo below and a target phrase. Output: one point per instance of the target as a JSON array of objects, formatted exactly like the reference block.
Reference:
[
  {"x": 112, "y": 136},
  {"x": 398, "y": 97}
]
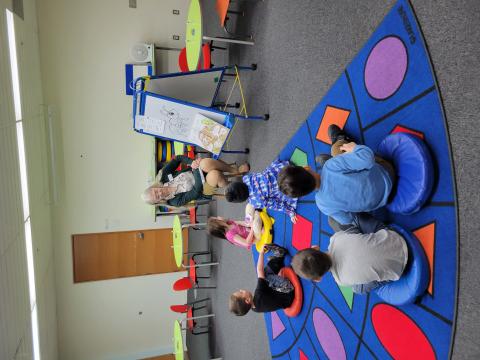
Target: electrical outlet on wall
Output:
[
  {"x": 176, "y": 12},
  {"x": 176, "y": 37}
]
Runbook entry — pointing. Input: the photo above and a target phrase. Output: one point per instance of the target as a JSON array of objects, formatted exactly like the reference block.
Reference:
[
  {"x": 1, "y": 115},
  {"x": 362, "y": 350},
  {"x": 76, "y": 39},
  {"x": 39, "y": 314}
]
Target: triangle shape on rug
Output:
[
  {"x": 277, "y": 325},
  {"x": 301, "y": 355},
  {"x": 426, "y": 235},
  {"x": 347, "y": 294},
  {"x": 404, "y": 129}
]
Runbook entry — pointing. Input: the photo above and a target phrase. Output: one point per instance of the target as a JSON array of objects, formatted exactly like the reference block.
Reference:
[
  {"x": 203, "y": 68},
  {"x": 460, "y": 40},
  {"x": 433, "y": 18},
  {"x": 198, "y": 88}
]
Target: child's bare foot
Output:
[{"x": 244, "y": 168}]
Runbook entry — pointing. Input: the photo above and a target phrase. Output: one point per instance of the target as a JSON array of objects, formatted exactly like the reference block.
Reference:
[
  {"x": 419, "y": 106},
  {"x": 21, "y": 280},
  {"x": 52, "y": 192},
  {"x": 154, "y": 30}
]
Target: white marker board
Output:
[
  {"x": 169, "y": 119},
  {"x": 198, "y": 88}
]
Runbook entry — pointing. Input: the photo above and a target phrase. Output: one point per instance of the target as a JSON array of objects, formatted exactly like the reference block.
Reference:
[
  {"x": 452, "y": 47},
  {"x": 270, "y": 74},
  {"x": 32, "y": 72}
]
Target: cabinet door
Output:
[{"x": 120, "y": 254}]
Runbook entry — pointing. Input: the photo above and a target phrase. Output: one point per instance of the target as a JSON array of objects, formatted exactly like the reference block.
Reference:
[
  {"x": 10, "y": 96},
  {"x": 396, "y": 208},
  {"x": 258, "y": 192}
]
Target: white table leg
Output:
[{"x": 228, "y": 40}]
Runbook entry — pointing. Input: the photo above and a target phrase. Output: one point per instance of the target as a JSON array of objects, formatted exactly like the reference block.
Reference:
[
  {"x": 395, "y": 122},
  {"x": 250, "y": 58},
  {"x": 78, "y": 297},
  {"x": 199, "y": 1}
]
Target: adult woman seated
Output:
[{"x": 197, "y": 182}]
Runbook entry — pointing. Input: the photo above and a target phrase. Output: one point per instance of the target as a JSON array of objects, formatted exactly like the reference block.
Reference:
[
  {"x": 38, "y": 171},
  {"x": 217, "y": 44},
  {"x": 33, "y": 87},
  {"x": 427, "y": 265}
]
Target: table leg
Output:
[{"x": 229, "y": 40}]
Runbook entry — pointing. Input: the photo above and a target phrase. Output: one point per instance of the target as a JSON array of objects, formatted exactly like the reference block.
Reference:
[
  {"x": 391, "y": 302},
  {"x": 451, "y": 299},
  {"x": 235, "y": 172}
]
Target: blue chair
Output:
[
  {"x": 415, "y": 278},
  {"x": 414, "y": 168}
]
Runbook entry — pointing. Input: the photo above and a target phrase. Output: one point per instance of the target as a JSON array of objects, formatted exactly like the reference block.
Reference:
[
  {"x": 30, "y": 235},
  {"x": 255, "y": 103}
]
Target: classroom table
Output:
[
  {"x": 194, "y": 35},
  {"x": 177, "y": 237},
  {"x": 178, "y": 341}
]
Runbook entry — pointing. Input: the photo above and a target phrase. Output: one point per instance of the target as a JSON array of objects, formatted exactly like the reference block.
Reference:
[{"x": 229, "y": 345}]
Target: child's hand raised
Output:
[{"x": 294, "y": 218}]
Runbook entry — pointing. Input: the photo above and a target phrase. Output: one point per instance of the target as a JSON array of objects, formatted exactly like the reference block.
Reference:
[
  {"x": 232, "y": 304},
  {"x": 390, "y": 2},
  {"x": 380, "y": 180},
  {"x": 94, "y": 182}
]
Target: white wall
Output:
[{"x": 102, "y": 166}]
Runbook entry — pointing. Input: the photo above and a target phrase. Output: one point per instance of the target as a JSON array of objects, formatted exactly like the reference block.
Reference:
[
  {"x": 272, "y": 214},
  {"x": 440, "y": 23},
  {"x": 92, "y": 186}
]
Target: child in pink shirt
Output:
[{"x": 239, "y": 233}]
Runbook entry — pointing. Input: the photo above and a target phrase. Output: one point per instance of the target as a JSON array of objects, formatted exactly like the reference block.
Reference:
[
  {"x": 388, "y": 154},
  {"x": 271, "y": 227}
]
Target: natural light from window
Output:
[{"x": 24, "y": 185}]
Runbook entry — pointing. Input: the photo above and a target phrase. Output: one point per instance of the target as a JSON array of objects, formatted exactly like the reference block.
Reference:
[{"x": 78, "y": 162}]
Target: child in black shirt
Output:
[{"x": 273, "y": 292}]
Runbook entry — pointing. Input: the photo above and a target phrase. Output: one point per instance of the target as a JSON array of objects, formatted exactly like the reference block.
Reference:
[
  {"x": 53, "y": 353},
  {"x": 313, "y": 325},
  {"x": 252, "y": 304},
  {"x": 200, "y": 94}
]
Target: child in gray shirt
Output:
[{"x": 363, "y": 255}]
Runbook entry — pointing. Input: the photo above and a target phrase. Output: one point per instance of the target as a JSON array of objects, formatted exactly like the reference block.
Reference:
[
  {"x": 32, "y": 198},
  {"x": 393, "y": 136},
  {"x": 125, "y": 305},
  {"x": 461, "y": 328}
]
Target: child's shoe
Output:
[
  {"x": 277, "y": 251},
  {"x": 335, "y": 134},
  {"x": 322, "y": 159}
]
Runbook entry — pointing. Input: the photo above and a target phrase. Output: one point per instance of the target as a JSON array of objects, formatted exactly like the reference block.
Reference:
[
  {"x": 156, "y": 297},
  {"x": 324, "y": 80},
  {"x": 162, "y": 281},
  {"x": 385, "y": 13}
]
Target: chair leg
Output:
[
  {"x": 236, "y": 36},
  {"x": 221, "y": 105},
  {"x": 241, "y": 13},
  {"x": 216, "y": 47},
  {"x": 201, "y": 327},
  {"x": 201, "y": 253},
  {"x": 246, "y": 151},
  {"x": 197, "y": 301}
]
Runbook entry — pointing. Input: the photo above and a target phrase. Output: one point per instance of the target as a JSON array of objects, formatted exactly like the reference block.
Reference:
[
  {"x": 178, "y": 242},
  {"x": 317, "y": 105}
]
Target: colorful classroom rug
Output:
[{"x": 389, "y": 87}]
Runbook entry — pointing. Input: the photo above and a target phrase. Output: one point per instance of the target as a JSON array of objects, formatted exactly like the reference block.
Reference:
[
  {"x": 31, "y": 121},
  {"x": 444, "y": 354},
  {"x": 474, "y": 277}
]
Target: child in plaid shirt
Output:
[{"x": 261, "y": 190}]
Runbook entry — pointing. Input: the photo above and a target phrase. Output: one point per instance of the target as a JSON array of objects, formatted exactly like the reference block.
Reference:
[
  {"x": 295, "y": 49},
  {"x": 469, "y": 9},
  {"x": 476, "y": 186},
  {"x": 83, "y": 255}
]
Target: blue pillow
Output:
[
  {"x": 414, "y": 169},
  {"x": 415, "y": 277}
]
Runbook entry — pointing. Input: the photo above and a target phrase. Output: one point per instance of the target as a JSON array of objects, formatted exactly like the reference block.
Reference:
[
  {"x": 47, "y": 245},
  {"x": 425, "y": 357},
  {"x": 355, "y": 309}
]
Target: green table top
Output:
[
  {"x": 177, "y": 236},
  {"x": 193, "y": 37},
  {"x": 178, "y": 341}
]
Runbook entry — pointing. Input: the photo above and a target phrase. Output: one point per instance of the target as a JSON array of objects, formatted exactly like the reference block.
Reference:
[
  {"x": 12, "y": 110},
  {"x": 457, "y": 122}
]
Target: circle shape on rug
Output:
[
  {"x": 386, "y": 67},
  {"x": 399, "y": 334},
  {"x": 328, "y": 335}
]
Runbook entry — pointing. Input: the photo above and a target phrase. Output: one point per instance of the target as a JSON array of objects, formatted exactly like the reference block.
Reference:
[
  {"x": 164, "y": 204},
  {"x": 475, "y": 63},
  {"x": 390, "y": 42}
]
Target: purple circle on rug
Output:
[
  {"x": 328, "y": 335},
  {"x": 386, "y": 68}
]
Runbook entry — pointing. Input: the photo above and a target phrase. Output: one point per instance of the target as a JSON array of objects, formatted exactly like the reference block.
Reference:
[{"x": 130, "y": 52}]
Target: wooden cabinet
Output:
[{"x": 120, "y": 254}]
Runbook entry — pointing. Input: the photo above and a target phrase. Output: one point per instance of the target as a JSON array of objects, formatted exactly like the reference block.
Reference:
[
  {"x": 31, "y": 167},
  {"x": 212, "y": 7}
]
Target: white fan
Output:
[{"x": 143, "y": 53}]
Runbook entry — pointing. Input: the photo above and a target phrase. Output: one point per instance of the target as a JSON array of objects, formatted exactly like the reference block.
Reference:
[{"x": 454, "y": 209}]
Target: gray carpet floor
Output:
[{"x": 301, "y": 47}]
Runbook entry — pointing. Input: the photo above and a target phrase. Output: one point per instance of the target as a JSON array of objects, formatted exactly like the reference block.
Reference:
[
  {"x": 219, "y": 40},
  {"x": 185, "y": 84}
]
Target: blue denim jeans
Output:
[{"x": 276, "y": 282}]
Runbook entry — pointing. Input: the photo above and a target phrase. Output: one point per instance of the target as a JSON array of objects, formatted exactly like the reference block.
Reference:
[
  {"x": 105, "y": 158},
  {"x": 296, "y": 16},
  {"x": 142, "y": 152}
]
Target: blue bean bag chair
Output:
[
  {"x": 414, "y": 168},
  {"x": 415, "y": 277}
]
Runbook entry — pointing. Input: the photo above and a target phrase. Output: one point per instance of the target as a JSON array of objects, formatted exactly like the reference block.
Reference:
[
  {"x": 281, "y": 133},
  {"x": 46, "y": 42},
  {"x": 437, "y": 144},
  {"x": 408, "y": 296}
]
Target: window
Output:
[{"x": 24, "y": 185}]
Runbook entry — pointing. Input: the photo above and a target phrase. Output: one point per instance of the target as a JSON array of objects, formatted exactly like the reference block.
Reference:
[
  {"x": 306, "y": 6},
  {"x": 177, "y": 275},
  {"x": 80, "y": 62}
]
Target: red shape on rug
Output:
[
  {"x": 302, "y": 233},
  {"x": 400, "y": 128},
  {"x": 400, "y": 335}
]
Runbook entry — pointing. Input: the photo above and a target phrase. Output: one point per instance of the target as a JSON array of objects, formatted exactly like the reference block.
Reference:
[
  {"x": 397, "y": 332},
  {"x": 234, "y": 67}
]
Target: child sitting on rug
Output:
[
  {"x": 240, "y": 233},
  {"x": 365, "y": 255},
  {"x": 351, "y": 181},
  {"x": 261, "y": 190},
  {"x": 273, "y": 292}
]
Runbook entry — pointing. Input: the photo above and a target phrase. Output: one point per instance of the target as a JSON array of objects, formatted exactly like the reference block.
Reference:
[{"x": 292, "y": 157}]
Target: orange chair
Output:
[{"x": 221, "y": 7}]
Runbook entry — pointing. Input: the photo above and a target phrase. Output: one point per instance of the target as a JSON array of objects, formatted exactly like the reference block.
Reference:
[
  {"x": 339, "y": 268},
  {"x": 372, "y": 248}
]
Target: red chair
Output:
[
  {"x": 193, "y": 216},
  {"x": 296, "y": 306},
  {"x": 189, "y": 310},
  {"x": 191, "y": 281},
  {"x": 205, "y": 63}
]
